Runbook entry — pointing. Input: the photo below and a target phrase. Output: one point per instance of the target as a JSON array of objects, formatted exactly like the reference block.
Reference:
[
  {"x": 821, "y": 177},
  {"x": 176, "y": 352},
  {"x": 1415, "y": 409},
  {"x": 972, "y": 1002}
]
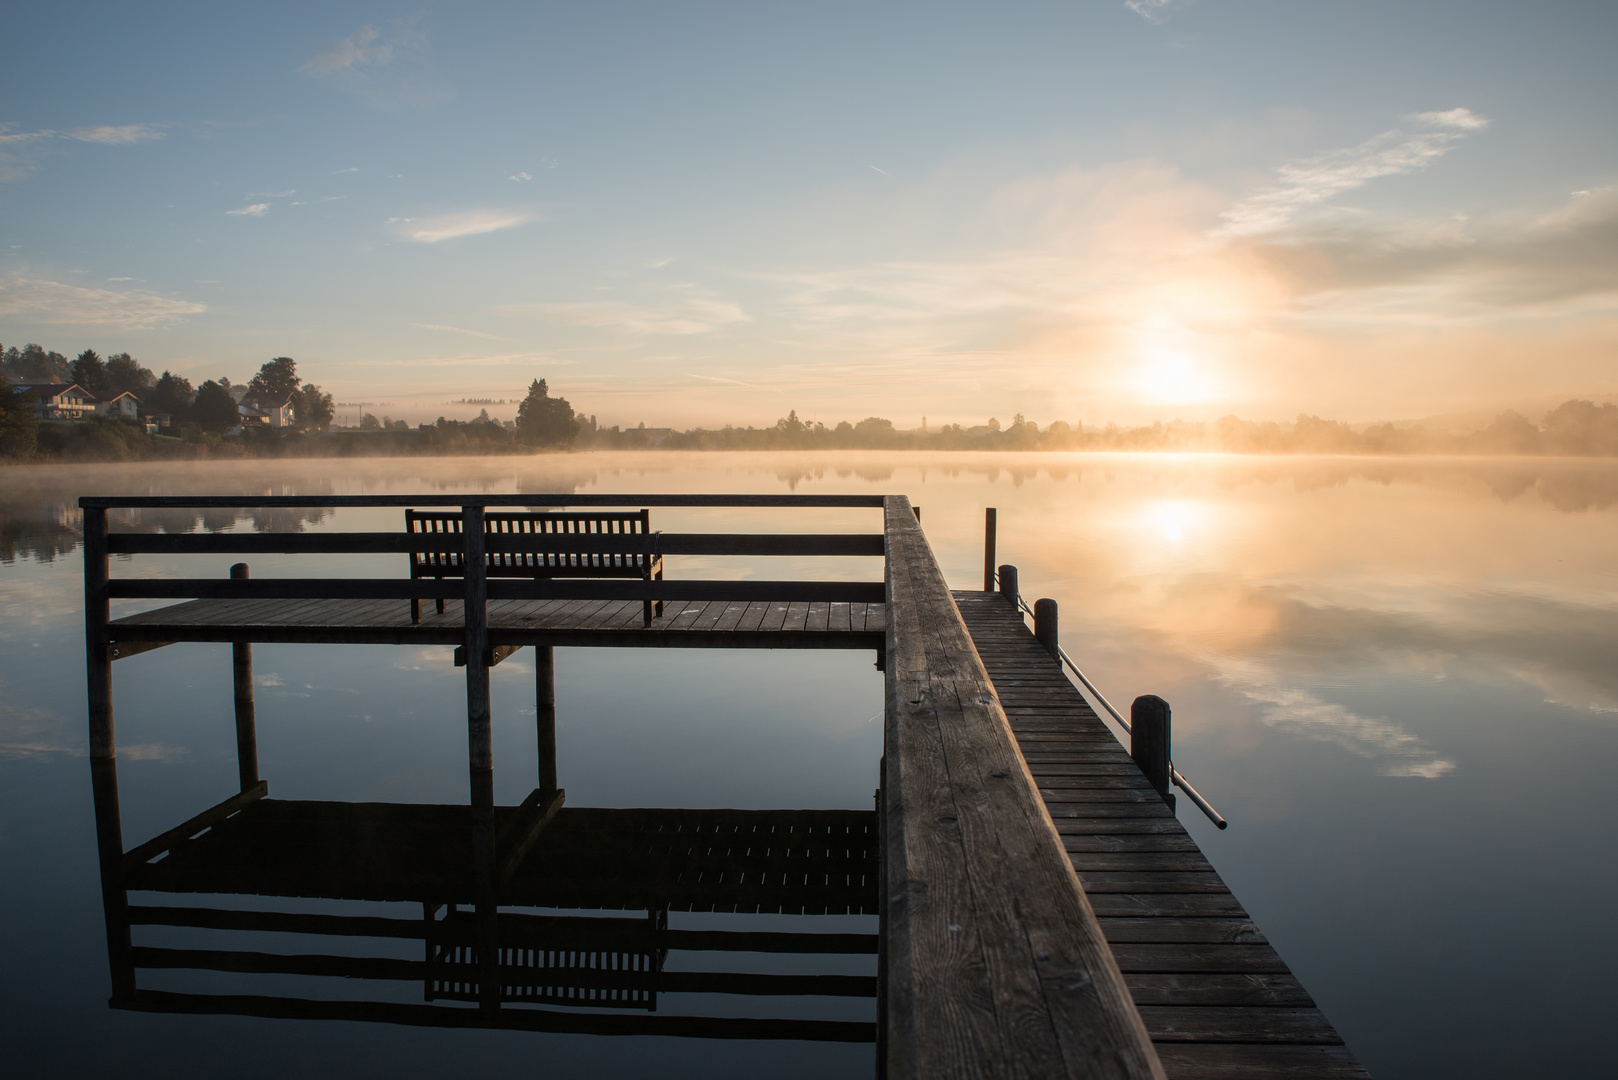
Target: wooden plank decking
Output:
[
  {"x": 689, "y": 624},
  {"x": 1217, "y": 999}
]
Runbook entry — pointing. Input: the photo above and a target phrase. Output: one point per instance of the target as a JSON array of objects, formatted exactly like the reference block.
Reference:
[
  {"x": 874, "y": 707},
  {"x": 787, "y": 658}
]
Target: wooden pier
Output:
[
  {"x": 1000, "y": 792},
  {"x": 1215, "y": 996}
]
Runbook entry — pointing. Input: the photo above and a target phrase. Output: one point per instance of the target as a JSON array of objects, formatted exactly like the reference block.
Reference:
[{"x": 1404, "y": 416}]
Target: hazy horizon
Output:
[{"x": 1115, "y": 211}]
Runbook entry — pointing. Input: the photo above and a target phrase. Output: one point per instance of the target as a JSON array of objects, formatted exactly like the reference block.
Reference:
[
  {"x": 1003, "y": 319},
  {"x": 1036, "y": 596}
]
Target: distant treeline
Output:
[
  {"x": 1576, "y": 428},
  {"x": 203, "y": 416}
]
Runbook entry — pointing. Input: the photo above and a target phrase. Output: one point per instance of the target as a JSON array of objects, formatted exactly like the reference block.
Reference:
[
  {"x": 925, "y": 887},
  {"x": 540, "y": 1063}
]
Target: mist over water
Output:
[{"x": 1394, "y": 677}]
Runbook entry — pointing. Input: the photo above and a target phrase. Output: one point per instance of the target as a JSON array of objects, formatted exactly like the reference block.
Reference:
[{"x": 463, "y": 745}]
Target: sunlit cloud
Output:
[
  {"x": 440, "y": 227},
  {"x": 1314, "y": 181},
  {"x": 389, "y": 67},
  {"x": 251, "y": 210},
  {"x": 56, "y": 302}
]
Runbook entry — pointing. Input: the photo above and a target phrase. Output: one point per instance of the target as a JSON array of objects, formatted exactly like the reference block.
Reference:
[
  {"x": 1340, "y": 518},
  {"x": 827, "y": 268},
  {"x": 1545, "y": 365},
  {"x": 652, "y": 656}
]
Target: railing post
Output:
[
  {"x": 545, "y": 699},
  {"x": 1149, "y": 741},
  {"x": 1045, "y": 627},
  {"x": 988, "y": 549},
  {"x": 480, "y": 752},
  {"x": 1008, "y": 584},
  {"x": 241, "y": 669}
]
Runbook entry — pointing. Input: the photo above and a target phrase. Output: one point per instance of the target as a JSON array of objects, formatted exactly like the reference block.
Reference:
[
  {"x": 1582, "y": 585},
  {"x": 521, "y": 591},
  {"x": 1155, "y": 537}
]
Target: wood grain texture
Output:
[{"x": 995, "y": 963}]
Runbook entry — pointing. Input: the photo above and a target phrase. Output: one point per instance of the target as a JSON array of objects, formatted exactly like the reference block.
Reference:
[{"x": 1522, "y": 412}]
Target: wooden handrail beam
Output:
[
  {"x": 995, "y": 964},
  {"x": 367, "y": 543},
  {"x": 185, "y": 502}
]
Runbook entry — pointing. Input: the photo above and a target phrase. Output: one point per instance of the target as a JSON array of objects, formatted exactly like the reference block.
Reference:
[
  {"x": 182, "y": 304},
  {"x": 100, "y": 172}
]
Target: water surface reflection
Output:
[{"x": 1393, "y": 676}]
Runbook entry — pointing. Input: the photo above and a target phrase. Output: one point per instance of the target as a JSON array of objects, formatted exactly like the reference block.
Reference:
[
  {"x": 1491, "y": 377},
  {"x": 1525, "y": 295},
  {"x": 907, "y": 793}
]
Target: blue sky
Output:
[{"x": 705, "y": 213}]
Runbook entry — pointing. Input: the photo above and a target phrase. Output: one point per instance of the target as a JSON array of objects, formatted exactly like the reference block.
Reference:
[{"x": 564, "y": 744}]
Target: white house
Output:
[
  {"x": 119, "y": 405},
  {"x": 266, "y": 410},
  {"x": 58, "y": 401}
]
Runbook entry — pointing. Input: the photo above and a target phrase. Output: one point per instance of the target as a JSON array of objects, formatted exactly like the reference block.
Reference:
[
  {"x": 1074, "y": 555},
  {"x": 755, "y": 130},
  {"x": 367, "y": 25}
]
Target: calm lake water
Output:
[{"x": 1396, "y": 678}]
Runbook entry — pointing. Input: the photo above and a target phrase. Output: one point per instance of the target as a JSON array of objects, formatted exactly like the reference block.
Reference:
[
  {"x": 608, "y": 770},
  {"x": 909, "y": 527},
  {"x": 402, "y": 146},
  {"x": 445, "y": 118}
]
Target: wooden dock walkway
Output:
[{"x": 1216, "y": 998}]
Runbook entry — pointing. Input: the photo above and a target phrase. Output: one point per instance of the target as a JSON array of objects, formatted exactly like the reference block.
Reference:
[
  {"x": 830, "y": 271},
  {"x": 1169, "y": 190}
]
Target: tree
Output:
[
  {"x": 172, "y": 394},
  {"x": 277, "y": 379},
  {"x": 124, "y": 372},
  {"x": 19, "y": 426},
  {"x": 312, "y": 409},
  {"x": 545, "y": 421},
  {"x": 33, "y": 364},
  {"x": 369, "y": 422},
  {"x": 90, "y": 372},
  {"x": 214, "y": 409}
]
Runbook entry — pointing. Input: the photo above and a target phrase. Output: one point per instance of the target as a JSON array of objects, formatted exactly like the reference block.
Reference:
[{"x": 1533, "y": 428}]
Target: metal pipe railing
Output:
[{"x": 1174, "y": 774}]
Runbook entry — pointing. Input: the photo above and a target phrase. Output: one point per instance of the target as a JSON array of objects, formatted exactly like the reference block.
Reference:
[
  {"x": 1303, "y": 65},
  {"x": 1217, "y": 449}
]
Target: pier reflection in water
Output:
[{"x": 512, "y": 959}]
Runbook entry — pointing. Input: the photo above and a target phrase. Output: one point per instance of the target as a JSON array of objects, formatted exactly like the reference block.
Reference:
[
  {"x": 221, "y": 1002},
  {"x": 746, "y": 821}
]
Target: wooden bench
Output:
[{"x": 540, "y": 564}]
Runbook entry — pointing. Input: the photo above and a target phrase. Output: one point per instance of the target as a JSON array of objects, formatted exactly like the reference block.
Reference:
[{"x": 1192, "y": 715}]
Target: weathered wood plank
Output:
[
  {"x": 1169, "y": 1023},
  {"x": 1217, "y": 1061},
  {"x": 1194, "y": 989}
]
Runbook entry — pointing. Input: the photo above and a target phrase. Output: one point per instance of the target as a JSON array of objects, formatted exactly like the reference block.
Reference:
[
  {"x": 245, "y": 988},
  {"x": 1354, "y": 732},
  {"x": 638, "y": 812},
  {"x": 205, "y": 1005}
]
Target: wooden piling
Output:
[
  {"x": 1045, "y": 627},
  {"x": 1149, "y": 741},
  {"x": 545, "y": 724},
  {"x": 1008, "y": 584},
  {"x": 989, "y": 525},
  {"x": 246, "y": 722},
  {"x": 480, "y": 753},
  {"x": 103, "y": 759}
]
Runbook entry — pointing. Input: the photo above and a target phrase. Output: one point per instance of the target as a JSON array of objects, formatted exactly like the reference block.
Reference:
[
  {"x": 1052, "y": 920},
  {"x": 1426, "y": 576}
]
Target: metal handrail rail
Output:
[{"x": 1174, "y": 774}]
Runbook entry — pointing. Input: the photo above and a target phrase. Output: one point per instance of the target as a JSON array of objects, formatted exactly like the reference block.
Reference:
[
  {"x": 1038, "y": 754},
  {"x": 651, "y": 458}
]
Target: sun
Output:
[{"x": 1169, "y": 376}]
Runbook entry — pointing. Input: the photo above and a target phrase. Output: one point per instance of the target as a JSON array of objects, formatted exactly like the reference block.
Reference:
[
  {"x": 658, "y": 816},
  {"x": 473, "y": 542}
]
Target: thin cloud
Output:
[
  {"x": 463, "y": 360},
  {"x": 252, "y": 210},
  {"x": 287, "y": 194},
  {"x": 350, "y": 169},
  {"x": 22, "y": 151},
  {"x": 1156, "y": 12},
  {"x": 389, "y": 67},
  {"x": 519, "y": 177},
  {"x": 718, "y": 379},
  {"x": 440, "y": 227},
  {"x": 459, "y": 330},
  {"x": 56, "y": 302},
  {"x": 697, "y": 315},
  {"x": 116, "y": 135},
  {"x": 1395, "y": 751},
  {"x": 1312, "y": 182}
]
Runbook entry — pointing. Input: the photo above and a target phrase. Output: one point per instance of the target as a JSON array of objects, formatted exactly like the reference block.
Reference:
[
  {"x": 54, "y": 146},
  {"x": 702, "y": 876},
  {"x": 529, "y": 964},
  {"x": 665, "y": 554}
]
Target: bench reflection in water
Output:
[{"x": 520, "y": 963}]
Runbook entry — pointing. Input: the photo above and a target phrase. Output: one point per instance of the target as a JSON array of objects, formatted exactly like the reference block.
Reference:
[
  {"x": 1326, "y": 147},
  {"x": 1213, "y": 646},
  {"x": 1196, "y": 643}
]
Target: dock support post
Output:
[
  {"x": 246, "y": 724},
  {"x": 1149, "y": 741},
  {"x": 1008, "y": 584},
  {"x": 988, "y": 549},
  {"x": 1045, "y": 627},
  {"x": 103, "y": 758},
  {"x": 480, "y": 755},
  {"x": 545, "y": 699}
]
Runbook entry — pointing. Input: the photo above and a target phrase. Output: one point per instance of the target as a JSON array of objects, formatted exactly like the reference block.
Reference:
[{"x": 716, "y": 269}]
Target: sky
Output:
[{"x": 1098, "y": 210}]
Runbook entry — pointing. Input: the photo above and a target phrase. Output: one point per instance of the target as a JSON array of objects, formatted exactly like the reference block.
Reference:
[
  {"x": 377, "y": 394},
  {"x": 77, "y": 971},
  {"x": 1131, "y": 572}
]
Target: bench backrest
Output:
[{"x": 536, "y": 563}]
